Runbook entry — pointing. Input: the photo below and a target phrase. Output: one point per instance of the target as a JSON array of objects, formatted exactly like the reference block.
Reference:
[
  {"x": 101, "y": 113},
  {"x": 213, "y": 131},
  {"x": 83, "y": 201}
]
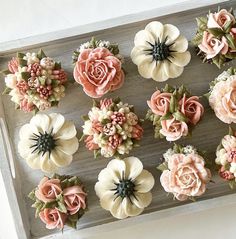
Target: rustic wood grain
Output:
[{"x": 136, "y": 91}]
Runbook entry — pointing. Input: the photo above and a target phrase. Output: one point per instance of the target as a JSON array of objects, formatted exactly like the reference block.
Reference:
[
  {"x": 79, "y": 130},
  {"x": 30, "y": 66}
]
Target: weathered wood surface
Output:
[{"x": 136, "y": 91}]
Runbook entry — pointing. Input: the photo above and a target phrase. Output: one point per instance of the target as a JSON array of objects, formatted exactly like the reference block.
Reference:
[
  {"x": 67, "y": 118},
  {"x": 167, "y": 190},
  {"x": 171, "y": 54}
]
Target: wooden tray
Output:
[{"x": 20, "y": 179}]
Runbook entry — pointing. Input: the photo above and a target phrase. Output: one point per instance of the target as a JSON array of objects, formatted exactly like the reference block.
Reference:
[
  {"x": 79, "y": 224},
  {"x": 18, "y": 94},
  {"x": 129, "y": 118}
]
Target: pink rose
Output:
[
  {"x": 225, "y": 174},
  {"x": 173, "y": 129},
  {"x": 26, "y": 106},
  {"x": 74, "y": 198},
  {"x": 53, "y": 218},
  {"x": 90, "y": 145},
  {"x": 105, "y": 103},
  {"x": 220, "y": 19},
  {"x": 213, "y": 46},
  {"x": 48, "y": 189},
  {"x": 186, "y": 176},
  {"x": 137, "y": 132},
  {"x": 13, "y": 65},
  {"x": 98, "y": 71},
  {"x": 191, "y": 108},
  {"x": 159, "y": 103}
]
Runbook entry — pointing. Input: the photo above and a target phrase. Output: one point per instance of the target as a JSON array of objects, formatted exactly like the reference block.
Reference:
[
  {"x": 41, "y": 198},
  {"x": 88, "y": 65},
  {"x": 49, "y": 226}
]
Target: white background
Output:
[{"x": 25, "y": 18}]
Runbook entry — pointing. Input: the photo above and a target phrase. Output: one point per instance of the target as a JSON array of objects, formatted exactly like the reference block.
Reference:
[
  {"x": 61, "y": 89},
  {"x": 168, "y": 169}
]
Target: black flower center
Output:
[
  {"x": 159, "y": 50},
  {"x": 44, "y": 142}
]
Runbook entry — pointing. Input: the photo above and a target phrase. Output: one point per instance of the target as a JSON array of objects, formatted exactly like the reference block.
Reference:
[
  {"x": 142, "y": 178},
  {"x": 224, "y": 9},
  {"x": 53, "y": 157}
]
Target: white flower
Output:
[
  {"x": 124, "y": 187},
  {"x": 11, "y": 80},
  {"x": 160, "y": 51},
  {"x": 31, "y": 58},
  {"x": 16, "y": 96},
  {"x": 59, "y": 92},
  {"x": 87, "y": 127},
  {"x": 48, "y": 142},
  {"x": 189, "y": 149},
  {"x": 167, "y": 155},
  {"x": 132, "y": 118},
  {"x": 47, "y": 63}
]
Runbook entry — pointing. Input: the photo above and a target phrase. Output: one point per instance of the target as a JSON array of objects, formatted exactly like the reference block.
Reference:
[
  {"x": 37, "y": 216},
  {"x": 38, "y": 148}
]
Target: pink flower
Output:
[
  {"x": 186, "y": 176},
  {"x": 173, "y": 129},
  {"x": 48, "y": 189},
  {"x": 220, "y": 19},
  {"x": 159, "y": 103},
  {"x": 109, "y": 129},
  {"x": 34, "y": 69},
  {"x": 44, "y": 91},
  {"x": 97, "y": 127},
  {"x": 53, "y": 218},
  {"x": 98, "y": 71},
  {"x": 114, "y": 141},
  {"x": 90, "y": 145},
  {"x": 22, "y": 86},
  {"x": 137, "y": 132},
  {"x": 60, "y": 75},
  {"x": 26, "y": 106},
  {"x": 213, "y": 46},
  {"x": 74, "y": 198},
  {"x": 13, "y": 65},
  {"x": 105, "y": 103},
  {"x": 118, "y": 118},
  {"x": 225, "y": 174},
  {"x": 191, "y": 108}
]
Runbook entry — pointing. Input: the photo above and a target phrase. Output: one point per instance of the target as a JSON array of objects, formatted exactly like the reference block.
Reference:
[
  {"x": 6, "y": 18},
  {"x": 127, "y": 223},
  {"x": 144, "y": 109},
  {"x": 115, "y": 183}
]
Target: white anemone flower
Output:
[
  {"x": 160, "y": 52},
  {"x": 48, "y": 142},
  {"x": 124, "y": 187}
]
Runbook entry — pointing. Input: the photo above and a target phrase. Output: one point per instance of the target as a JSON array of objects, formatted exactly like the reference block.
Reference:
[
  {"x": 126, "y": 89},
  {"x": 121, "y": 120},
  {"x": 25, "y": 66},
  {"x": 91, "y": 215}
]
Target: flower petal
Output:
[
  {"x": 57, "y": 121},
  {"x": 180, "y": 44},
  {"x": 107, "y": 200},
  {"x": 24, "y": 148},
  {"x": 69, "y": 146},
  {"x": 146, "y": 67},
  {"x": 67, "y": 131},
  {"x": 143, "y": 38},
  {"x": 156, "y": 29},
  {"x": 133, "y": 167},
  {"x": 144, "y": 182},
  {"x": 170, "y": 32},
  {"x": 116, "y": 168},
  {"x": 172, "y": 70},
  {"x": 34, "y": 161},
  {"x": 142, "y": 200},
  {"x": 138, "y": 54},
  {"x": 117, "y": 210},
  {"x": 41, "y": 121},
  {"x": 46, "y": 164},
  {"x": 60, "y": 159},
  {"x": 26, "y": 131},
  {"x": 180, "y": 59},
  {"x": 130, "y": 208},
  {"x": 158, "y": 73}
]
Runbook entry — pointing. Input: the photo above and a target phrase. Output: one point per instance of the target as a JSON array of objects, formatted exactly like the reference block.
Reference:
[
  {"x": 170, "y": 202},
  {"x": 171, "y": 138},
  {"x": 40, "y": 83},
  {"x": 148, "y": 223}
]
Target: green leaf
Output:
[
  {"x": 163, "y": 166},
  {"x": 172, "y": 104},
  {"x": 22, "y": 62},
  {"x": 167, "y": 116},
  {"x": 31, "y": 195},
  {"x": 41, "y": 54},
  {"x": 231, "y": 131},
  {"x": 117, "y": 100},
  {"x": 227, "y": 27},
  {"x": 6, "y": 72},
  {"x": 20, "y": 55},
  {"x": 231, "y": 41},
  {"x": 177, "y": 148},
  {"x": 232, "y": 184},
  {"x": 217, "y": 32},
  {"x": 96, "y": 153},
  {"x": 25, "y": 75},
  {"x": 95, "y": 103},
  {"x": 201, "y": 23},
  {"x": 62, "y": 207},
  {"x": 180, "y": 116},
  {"x": 219, "y": 60},
  {"x": 84, "y": 117},
  {"x": 57, "y": 66},
  {"x": 6, "y": 91},
  {"x": 197, "y": 38}
]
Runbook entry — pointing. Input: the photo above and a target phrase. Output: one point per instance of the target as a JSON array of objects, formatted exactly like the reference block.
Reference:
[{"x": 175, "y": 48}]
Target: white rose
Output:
[{"x": 11, "y": 80}]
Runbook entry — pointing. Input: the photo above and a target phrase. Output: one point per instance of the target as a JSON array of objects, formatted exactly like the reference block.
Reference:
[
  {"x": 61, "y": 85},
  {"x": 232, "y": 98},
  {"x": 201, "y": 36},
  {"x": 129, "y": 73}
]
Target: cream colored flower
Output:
[
  {"x": 48, "y": 142},
  {"x": 124, "y": 187},
  {"x": 160, "y": 51}
]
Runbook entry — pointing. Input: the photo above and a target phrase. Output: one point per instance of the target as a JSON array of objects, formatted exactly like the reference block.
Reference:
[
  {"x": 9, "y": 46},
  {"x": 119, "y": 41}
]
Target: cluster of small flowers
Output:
[
  {"x": 34, "y": 81},
  {"x": 59, "y": 200},
  {"x": 173, "y": 111},
  {"x": 89, "y": 44},
  {"x": 111, "y": 128},
  {"x": 226, "y": 158}
]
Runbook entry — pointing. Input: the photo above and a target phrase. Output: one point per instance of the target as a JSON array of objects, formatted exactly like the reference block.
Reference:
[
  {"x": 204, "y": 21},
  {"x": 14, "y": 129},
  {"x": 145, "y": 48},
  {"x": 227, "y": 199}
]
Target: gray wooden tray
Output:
[{"x": 20, "y": 179}]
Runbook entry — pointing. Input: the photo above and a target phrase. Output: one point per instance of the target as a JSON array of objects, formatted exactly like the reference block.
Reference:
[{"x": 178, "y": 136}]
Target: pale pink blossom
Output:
[
  {"x": 137, "y": 132},
  {"x": 90, "y": 144},
  {"x": 13, "y": 65}
]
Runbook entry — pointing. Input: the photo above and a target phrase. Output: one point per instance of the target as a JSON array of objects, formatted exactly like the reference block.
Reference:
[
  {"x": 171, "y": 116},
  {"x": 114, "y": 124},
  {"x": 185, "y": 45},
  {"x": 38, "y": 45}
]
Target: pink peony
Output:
[
  {"x": 118, "y": 118},
  {"x": 159, "y": 103},
  {"x": 173, "y": 129},
  {"x": 53, "y": 218},
  {"x": 13, "y": 65},
  {"x": 220, "y": 19},
  {"x": 191, "y": 108},
  {"x": 98, "y": 71},
  {"x": 186, "y": 176},
  {"x": 213, "y": 46},
  {"x": 48, "y": 189},
  {"x": 74, "y": 198},
  {"x": 105, "y": 103},
  {"x": 137, "y": 132},
  {"x": 90, "y": 145},
  {"x": 226, "y": 174},
  {"x": 26, "y": 106}
]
